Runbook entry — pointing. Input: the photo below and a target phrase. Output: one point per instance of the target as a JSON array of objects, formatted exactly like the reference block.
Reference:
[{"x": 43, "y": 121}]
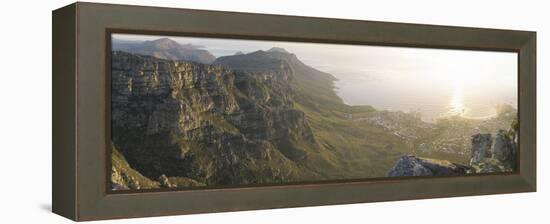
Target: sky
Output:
[{"x": 434, "y": 82}]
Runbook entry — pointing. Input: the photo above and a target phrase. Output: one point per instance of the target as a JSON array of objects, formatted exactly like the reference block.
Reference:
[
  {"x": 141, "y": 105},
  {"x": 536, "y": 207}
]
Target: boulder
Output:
[
  {"x": 481, "y": 147},
  {"x": 165, "y": 182},
  {"x": 409, "y": 165}
]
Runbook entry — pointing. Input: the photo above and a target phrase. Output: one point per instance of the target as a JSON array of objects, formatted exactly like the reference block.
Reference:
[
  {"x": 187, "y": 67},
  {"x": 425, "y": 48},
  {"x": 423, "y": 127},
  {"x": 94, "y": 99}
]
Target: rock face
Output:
[
  {"x": 166, "y": 48},
  {"x": 505, "y": 149},
  {"x": 481, "y": 147},
  {"x": 207, "y": 123},
  {"x": 503, "y": 156},
  {"x": 410, "y": 165}
]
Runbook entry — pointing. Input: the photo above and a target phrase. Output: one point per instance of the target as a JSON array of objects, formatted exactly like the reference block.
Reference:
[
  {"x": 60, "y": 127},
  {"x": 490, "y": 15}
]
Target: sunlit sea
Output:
[{"x": 431, "y": 100}]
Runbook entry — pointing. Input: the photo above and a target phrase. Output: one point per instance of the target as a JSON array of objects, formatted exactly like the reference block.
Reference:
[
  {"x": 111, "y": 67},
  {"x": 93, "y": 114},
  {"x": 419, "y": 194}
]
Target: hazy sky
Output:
[{"x": 435, "y": 82}]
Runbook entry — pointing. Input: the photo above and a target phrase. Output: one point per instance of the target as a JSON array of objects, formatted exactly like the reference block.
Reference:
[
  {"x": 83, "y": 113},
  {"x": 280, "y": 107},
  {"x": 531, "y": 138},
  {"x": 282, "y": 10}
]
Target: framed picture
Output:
[{"x": 202, "y": 111}]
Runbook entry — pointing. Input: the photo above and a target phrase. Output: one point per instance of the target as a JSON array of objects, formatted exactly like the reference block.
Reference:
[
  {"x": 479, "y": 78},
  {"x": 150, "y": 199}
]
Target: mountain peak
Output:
[
  {"x": 164, "y": 40},
  {"x": 278, "y": 49},
  {"x": 164, "y": 43}
]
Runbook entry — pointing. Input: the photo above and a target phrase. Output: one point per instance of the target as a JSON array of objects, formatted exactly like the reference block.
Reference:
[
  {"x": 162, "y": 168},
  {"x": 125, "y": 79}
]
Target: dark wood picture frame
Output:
[{"x": 81, "y": 109}]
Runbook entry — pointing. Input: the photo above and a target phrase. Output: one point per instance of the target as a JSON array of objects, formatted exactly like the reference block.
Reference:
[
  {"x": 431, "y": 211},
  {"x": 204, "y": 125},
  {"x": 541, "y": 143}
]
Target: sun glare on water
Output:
[{"x": 456, "y": 106}]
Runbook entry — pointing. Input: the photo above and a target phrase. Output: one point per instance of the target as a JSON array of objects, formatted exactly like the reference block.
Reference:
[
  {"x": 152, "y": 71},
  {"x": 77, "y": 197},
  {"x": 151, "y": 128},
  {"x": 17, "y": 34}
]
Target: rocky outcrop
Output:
[
  {"x": 486, "y": 157},
  {"x": 505, "y": 148},
  {"x": 502, "y": 156},
  {"x": 121, "y": 180},
  {"x": 481, "y": 147},
  {"x": 164, "y": 182},
  {"x": 410, "y": 165}
]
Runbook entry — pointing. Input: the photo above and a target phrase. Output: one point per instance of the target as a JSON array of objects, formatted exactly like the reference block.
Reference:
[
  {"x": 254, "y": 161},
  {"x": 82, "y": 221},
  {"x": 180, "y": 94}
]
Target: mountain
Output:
[
  {"x": 262, "y": 117},
  {"x": 165, "y": 48},
  {"x": 358, "y": 149},
  {"x": 207, "y": 123},
  {"x": 310, "y": 85}
]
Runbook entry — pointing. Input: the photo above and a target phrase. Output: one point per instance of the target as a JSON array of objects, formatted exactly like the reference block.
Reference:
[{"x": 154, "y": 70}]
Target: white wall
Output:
[{"x": 25, "y": 120}]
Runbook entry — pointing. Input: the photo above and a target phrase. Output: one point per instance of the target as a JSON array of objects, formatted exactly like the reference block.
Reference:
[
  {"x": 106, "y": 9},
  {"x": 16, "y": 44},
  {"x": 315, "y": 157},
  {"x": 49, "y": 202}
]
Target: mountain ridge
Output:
[{"x": 165, "y": 48}]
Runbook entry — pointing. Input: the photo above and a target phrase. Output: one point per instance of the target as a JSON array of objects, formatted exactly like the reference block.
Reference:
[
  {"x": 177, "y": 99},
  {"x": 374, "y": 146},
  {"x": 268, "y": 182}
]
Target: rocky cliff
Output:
[{"x": 207, "y": 123}]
